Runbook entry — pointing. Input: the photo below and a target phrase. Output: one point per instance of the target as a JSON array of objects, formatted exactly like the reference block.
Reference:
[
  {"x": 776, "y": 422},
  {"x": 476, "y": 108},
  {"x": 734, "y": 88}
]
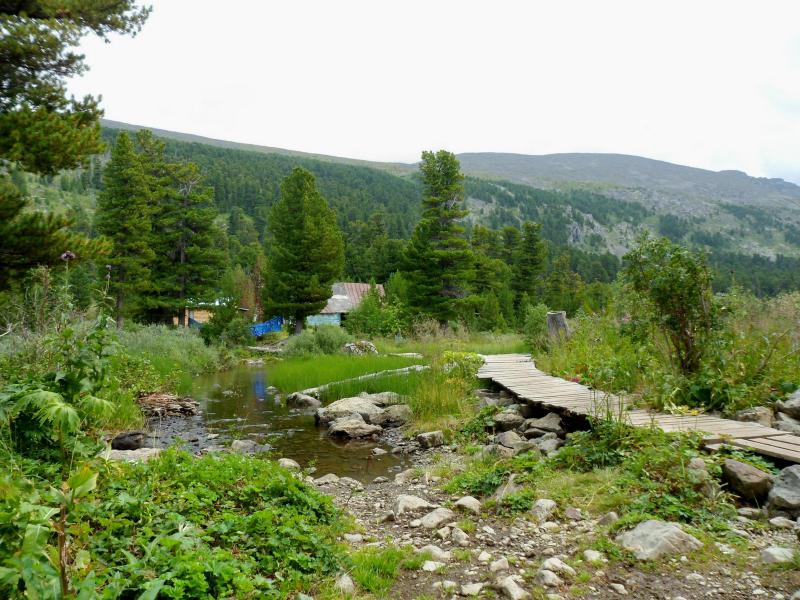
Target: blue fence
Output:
[{"x": 271, "y": 326}]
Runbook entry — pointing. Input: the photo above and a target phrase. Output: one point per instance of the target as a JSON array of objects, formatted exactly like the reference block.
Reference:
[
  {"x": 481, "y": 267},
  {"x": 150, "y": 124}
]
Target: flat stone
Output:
[
  {"x": 431, "y": 439},
  {"x": 346, "y": 407},
  {"x": 288, "y": 463},
  {"x": 469, "y": 504},
  {"x": 415, "y": 523},
  {"x": 550, "y": 422},
  {"x": 244, "y": 446},
  {"x": 654, "y": 539},
  {"x": 300, "y": 400},
  {"x": 549, "y": 447},
  {"x": 511, "y": 589},
  {"x": 351, "y": 483},
  {"x": 501, "y": 564},
  {"x": 407, "y": 503},
  {"x": 406, "y": 476},
  {"x": 542, "y": 509},
  {"x": 593, "y": 556},
  {"x": 436, "y": 518},
  {"x": 759, "y": 414},
  {"x": 435, "y": 553},
  {"x": 328, "y": 479},
  {"x": 782, "y": 523},
  {"x": 138, "y": 455},
  {"x": 746, "y": 480},
  {"x": 509, "y": 439},
  {"x": 547, "y": 578},
  {"x": 785, "y": 493},
  {"x": 352, "y": 426},
  {"x": 776, "y": 555},
  {"x": 556, "y": 565},
  {"x": 573, "y": 514},
  {"x": 432, "y": 565},
  {"x": 354, "y": 538},
  {"x": 507, "y": 420},
  {"x": 471, "y": 589},
  {"x": 443, "y": 533}
]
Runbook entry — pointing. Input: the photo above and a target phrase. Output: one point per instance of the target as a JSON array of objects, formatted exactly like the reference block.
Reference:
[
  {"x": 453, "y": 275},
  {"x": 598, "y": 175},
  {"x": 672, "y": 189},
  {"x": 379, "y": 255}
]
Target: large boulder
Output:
[
  {"x": 129, "y": 440},
  {"x": 300, "y": 400},
  {"x": 747, "y": 481},
  {"x": 396, "y": 415},
  {"x": 509, "y": 439},
  {"x": 654, "y": 539},
  {"x": 507, "y": 420},
  {"x": 352, "y": 426},
  {"x": 349, "y": 406},
  {"x": 790, "y": 406},
  {"x": 431, "y": 439},
  {"x": 785, "y": 493},
  {"x": 786, "y": 423},
  {"x": 758, "y": 414},
  {"x": 382, "y": 399}
]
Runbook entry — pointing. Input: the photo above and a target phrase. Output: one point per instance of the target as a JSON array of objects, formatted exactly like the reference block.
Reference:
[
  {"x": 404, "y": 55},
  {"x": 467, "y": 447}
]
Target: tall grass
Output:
[
  {"x": 433, "y": 343},
  {"x": 442, "y": 401},
  {"x": 297, "y": 374},
  {"x": 404, "y": 384}
]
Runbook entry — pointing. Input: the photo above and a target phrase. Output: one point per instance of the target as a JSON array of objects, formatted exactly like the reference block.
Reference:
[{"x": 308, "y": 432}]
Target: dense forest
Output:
[{"x": 377, "y": 211}]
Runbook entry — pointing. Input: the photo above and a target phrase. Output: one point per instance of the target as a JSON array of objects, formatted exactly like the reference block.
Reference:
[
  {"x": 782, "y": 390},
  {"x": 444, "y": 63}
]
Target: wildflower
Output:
[{"x": 68, "y": 256}]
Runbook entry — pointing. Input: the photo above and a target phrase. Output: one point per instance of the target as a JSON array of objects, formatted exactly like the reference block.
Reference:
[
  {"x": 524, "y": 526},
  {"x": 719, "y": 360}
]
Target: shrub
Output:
[
  {"x": 534, "y": 328},
  {"x": 374, "y": 316},
  {"x": 325, "y": 339}
]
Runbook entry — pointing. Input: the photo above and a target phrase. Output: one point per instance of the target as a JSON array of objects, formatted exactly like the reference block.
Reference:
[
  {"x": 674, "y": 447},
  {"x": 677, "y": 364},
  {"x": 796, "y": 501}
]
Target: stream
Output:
[{"x": 235, "y": 405}]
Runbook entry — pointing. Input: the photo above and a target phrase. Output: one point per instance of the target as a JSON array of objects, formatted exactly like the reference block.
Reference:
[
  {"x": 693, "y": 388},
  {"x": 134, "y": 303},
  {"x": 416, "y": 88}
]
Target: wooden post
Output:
[{"x": 557, "y": 326}]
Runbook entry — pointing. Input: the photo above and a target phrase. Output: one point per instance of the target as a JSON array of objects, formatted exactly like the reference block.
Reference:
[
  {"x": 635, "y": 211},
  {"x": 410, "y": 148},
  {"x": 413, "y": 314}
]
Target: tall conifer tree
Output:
[
  {"x": 306, "y": 252},
  {"x": 528, "y": 261},
  {"x": 124, "y": 215},
  {"x": 438, "y": 259}
]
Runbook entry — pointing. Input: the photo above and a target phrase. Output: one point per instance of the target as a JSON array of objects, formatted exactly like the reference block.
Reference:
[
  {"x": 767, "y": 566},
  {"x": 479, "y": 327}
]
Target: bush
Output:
[
  {"x": 324, "y": 339},
  {"x": 374, "y": 316},
  {"x": 534, "y": 328}
]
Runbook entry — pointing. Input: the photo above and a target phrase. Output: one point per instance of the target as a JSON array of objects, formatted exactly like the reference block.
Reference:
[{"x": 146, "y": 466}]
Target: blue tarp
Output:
[{"x": 271, "y": 326}]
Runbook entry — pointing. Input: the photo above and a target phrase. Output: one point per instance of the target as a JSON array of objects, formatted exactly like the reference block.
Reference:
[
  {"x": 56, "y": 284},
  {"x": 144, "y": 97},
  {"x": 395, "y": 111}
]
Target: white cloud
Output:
[{"x": 710, "y": 84}]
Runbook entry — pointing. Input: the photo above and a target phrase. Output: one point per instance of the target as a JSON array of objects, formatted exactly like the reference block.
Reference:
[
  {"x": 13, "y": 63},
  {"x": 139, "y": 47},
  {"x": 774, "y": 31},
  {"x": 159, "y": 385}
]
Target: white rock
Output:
[
  {"x": 415, "y": 523},
  {"x": 378, "y": 452},
  {"x": 782, "y": 523},
  {"x": 328, "y": 479},
  {"x": 443, "y": 533},
  {"x": 436, "y": 518},
  {"x": 511, "y": 589},
  {"x": 619, "y": 588},
  {"x": 501, "y": 564},
  {"x": 431, "y": 565},
  {"x": 484, "y": 557},
  {"x": 593, "y": 556},
  {"x": 471, "y": 589},
  {"x": 542, "y": 509},
  {"x": 140, "y": 454},
  {"x": 469, "y": 504},
  {"x": 349, "y": 406},
  {"x": 288, "y": 463},
  {"x": 547, "y": 578},
  {"x": 459, "y": 537},
  {"x": 354, "y": 538},
  {"x": 775, "y": 554},
  {"x": 558, "y": 566},
  {"x": 435, "y": 553},
  {"x": 352, "y": 426},
  {"x": 405, "y": 476},
  {"x": 344, "y": 584},
  {"x": 408, "y": 503},
  {"x": 551, "y": 526},
  {"x": 653, "y": 539}
]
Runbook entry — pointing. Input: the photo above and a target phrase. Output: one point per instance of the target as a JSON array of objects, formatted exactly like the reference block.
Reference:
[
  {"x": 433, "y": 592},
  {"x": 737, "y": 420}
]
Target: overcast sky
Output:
[{"x": 703, "y": 83}]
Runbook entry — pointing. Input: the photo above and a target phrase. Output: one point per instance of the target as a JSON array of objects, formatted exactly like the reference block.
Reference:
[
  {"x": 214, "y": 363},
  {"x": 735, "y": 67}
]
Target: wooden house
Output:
[{"x": 346, "y": 296}]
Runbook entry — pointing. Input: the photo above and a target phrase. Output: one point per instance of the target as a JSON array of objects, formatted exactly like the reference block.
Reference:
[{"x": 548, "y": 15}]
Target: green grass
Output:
[
  {"x": 375, "y": 570},
  {"x": 404, "y": 385},
  {"x": 297, "y": 374},
  {"x": 482, "y": 343},
  {"x": 442, "y": 401}
]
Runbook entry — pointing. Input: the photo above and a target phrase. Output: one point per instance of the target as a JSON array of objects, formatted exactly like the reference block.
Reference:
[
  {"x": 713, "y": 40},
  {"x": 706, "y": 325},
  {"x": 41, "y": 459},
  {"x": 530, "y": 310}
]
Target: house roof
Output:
[{"x": 346, "y": 296}]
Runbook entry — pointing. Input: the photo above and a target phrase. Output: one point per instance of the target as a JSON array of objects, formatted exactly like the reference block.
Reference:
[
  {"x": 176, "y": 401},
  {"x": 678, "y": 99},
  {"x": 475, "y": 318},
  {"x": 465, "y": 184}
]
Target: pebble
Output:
[
  {"x": 459, "y": 537},
  {"x": 547, "y": 578},
  {"x": 501, "y": 564},
  {"x": 484, "y": 557},
  {"x": 593, "y": 556},
  {"x": 471, "y": 589},
  {"x": 380, "y": 479},
  {"x": 511, "y": 589},
  {"x": 619, "y": 588},
  {"x": 432, "y": 565}
]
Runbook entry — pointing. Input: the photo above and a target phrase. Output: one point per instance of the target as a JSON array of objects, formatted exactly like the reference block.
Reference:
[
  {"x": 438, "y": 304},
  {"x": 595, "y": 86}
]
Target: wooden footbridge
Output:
[{"x": 518, "y": 374}]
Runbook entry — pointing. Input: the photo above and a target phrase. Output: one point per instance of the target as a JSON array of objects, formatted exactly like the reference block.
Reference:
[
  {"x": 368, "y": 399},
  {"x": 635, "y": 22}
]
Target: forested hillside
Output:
[{"x": 377, "y": 211}]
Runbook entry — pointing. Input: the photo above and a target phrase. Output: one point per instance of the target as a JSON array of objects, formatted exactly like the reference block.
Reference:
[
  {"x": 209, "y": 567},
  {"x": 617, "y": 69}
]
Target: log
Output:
[{"x": 557, "y": 326}]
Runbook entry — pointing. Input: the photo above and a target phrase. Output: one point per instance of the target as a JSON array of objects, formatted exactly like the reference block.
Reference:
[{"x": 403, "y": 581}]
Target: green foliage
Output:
[
  {"x": 176, "y": 527},
  {"x": 676, "y": 284},
  {"x": 323, "y": 339},
  {"x": 375, "y": 570},
  {"x": 534, "y": 328},
  {"x": 306, "y": 250},
  {"x": 374, "y": 316},
  {"x": 438, "y": 260},
  {"x": 444, "y": 396}
]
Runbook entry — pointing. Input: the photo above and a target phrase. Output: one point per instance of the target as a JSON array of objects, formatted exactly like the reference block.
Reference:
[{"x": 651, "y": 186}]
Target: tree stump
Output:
[{"x": 557, "y": 326}]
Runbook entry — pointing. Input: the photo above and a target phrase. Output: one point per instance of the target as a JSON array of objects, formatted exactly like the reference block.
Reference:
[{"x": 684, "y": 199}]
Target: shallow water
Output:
[{"x": 236, "y": 405}]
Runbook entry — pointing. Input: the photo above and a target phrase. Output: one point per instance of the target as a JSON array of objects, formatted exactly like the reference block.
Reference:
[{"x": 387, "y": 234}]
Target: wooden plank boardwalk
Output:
[{"x": 518, "y": 374}]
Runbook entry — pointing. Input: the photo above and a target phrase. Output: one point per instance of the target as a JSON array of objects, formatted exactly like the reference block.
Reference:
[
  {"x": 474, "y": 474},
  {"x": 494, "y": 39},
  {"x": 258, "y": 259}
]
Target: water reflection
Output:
[{"x": 236, "y": 404}]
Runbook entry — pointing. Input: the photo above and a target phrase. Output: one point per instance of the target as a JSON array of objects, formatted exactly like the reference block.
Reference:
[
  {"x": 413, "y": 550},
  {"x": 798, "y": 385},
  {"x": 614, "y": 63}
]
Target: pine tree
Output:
[
  {"x": 306, "y": 250},
  {"x": 124, "y": 215},
  {"x": 438, "y": 261},
  {"x": 528, "y": 261}
]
